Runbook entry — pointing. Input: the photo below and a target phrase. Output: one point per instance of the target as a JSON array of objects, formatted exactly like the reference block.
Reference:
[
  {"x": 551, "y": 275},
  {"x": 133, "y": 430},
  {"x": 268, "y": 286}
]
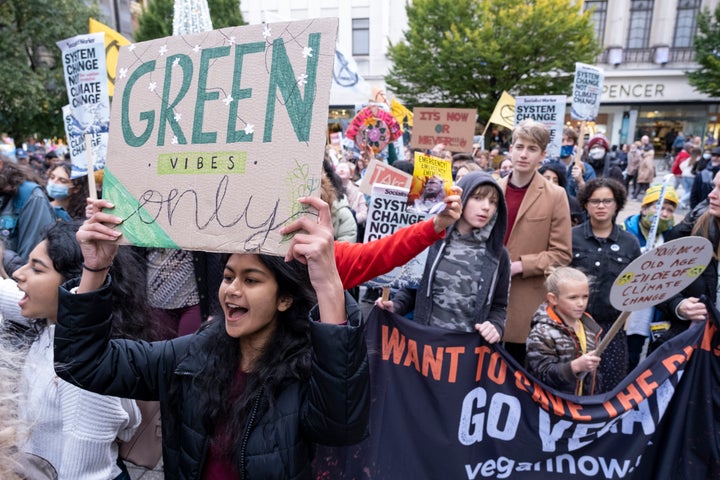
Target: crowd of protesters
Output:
[{"x": 256, "y": 358}]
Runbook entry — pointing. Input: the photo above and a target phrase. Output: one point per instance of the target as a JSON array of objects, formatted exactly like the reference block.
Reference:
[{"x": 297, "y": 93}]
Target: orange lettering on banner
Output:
[
  {"x": 497, "y": 369},
  {"x": 433, "y": 362},
  {"x": 481, "y": 353},
  {"x": 630, "y": 397},
  {"x": 454, "y": 352},
  {"x": 404, "y": 351},
  {"x": 647, "y": 388},
  {"x": 395, "y": 344},
  {"x": 672, "y": 362},
  {"x": 412, "y": 355},
  {"x": 608, "y": 406},
  {"x": 574, "y": 410},
  {"x": 707, "y": 339},
  {"x": 557, "y": 404},
  {"x": 522, "y": 381}
]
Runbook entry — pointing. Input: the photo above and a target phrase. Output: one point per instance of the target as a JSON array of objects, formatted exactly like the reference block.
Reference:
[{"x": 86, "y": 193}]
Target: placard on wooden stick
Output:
[
  {"x": 656, "y": 276},
  {"x": 214, "y": 136}
]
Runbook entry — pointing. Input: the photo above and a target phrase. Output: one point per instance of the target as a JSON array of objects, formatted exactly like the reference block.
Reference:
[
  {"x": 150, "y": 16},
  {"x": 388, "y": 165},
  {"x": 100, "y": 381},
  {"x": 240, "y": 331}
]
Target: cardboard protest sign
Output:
[
  {"x": 431, "y": 183},
  {"x": 660, "y": 273},
  {"x": 83, "y": 59},
  {"x": 587, "y": 90},
  {"x": 378, "y": 172},
  {"x": 388, "y": 211},
  {"x": 453, "y": 127},
  {"x": 215, "y": 135},
  {"x": 548, "y": 110}
]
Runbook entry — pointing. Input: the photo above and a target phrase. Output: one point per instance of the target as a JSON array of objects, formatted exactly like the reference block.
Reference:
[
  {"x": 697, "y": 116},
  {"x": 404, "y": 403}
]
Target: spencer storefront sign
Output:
[{"x": 649, "y": 89}]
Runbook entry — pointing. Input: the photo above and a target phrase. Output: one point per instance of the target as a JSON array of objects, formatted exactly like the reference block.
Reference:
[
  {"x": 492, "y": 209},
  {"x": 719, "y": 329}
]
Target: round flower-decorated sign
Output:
[{"x": 373, "y": 127}]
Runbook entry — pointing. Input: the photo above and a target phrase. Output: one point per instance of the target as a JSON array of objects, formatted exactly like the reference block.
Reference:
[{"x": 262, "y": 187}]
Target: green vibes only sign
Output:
[{"x": 214, "y": 135}]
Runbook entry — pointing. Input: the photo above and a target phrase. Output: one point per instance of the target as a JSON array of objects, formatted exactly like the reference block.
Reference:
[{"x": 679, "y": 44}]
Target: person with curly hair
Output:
[
  {"x": 69, "y": 195},
  {"x": 250, "y": 394}
]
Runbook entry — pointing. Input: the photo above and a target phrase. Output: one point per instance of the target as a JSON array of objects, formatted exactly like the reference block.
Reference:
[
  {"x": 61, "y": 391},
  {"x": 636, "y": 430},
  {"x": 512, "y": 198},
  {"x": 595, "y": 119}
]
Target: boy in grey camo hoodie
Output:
[{"x": 467, "y": 274}]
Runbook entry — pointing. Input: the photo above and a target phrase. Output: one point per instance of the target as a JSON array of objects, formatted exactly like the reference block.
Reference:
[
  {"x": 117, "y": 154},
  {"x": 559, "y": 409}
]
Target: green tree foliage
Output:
[
  {"x": 464, "y": 53},
  {"x": 156, "y": 20},
  {"x": 707, "y": 52},
  {"x": 32, "y": 84}
]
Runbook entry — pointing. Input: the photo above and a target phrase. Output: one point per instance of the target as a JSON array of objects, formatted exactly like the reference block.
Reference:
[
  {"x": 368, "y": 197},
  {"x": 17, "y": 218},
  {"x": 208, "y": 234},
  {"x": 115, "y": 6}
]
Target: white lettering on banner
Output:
[
  {"x": 634, "y": 90},
  {"x": 503, "y": 408}
]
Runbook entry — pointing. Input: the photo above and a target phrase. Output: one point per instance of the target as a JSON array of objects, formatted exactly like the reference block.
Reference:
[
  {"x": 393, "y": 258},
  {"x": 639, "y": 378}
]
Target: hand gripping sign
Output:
[{"x": 656, "y": 276}]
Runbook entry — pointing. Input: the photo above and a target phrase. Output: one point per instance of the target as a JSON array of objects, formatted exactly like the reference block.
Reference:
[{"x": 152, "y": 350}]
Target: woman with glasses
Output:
[{"x": 602, "y": 250}]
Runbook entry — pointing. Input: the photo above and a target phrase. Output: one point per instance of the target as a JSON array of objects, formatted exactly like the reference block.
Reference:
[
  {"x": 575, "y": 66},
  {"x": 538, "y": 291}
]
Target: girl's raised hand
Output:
[
  {"x": 97, "y": 239},
  {"x": 313, "y": 245}
]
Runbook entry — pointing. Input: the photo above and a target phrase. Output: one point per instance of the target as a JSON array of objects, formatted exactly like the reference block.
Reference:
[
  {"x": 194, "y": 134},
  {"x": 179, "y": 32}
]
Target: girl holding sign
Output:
[{"x": 248, "y": 395}]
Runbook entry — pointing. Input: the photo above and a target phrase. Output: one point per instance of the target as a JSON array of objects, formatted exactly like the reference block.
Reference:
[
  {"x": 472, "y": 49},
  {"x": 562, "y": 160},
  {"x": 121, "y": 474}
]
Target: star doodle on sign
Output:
[
  {"x": 266, "y": 32},
  {"x": 177, "y": 116},
  {"x": 123, "y": 73},
  {"x": 196, "y": 48},
  {"x": 302, "y": 79},
  {"x": 152, "y": 86},
  {"x": 176, "y": 62},
  {"x": 131, "y": 47},
  {"x": 163, "y": 50},
  {"x": 227, "y": 100},
  {"x": 249, "y": 129},
  {"x": 174, "y": 140},
  {"x": 307, "y": 52},
  {"x": 232, "y": 41}
]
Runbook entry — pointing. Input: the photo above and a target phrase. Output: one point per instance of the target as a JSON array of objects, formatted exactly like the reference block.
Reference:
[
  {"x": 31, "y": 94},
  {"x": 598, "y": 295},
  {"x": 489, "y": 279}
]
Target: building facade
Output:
[
  {"x": 365, "y": 28},
  {"x": 648, "y": 46}
]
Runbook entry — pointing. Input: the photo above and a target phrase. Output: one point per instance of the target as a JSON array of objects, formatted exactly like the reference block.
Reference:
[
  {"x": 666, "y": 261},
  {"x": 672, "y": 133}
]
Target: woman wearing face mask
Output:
[{"x": 68, "y": 194}]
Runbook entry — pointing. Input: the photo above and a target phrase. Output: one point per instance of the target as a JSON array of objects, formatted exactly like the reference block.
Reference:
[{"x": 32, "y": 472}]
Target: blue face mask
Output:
[
  {"x": 57, "y": 192},
  {"x": 566, "y": 150}
]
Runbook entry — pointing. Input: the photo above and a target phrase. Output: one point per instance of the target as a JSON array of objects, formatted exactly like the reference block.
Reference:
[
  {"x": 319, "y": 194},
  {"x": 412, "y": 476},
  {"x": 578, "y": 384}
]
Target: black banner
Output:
[{"x": 446, "y": 405}]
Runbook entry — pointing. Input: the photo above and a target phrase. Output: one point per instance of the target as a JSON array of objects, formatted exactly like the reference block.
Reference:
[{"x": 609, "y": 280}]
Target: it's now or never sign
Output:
[
  {"x": 453, "y": 127},
  {"x": 215, "y": 135}
]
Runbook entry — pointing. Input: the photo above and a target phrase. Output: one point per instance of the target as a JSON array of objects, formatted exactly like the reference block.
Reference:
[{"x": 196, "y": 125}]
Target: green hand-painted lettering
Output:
[
  {"x": 208, "y": 54},
  {"x": 149, "y": 116},
  {"x": 166, "y": 114},
  {"x": 283, "y": 78},
  {"x": 234, "y": 135}
]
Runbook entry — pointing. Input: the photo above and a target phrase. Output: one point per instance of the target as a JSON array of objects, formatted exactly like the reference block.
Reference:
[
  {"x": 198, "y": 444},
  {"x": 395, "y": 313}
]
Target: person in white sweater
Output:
[{"x": 75, "y": 430}]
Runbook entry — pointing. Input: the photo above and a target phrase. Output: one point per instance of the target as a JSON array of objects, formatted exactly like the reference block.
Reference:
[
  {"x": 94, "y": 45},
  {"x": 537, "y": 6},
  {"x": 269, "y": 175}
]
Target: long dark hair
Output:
[
  {"x": 130, "y": 315},
  {"x": 78, "y": 197},
  {"x": 284, "y": 359}
]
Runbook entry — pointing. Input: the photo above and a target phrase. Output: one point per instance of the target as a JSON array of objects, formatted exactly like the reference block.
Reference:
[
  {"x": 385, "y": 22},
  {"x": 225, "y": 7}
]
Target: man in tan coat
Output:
[{"x": 539, "y": 231}]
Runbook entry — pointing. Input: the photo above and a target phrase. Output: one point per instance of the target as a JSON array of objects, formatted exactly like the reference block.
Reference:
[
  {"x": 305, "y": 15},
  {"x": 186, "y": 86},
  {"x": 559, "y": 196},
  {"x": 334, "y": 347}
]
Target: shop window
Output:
[
  {"x": 640, "y": 22},
  {"x": 599, "y": 17},
  {"x": 686, "y": 23},
  {"x": 361, "y": 36}
]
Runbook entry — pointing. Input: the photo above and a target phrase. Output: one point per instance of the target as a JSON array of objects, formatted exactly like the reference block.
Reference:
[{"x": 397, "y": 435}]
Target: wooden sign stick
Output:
[
  {"x": 90, "y": 167},
  {"x": 619, "y": 323},
  {"x": 385, "y": 294},
  {"x": 580, "y": 146}
]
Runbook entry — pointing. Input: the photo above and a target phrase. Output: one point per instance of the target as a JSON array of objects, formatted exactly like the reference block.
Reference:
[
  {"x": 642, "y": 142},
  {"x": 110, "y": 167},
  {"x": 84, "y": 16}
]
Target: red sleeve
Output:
[{"x": 360, "y": 262}]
